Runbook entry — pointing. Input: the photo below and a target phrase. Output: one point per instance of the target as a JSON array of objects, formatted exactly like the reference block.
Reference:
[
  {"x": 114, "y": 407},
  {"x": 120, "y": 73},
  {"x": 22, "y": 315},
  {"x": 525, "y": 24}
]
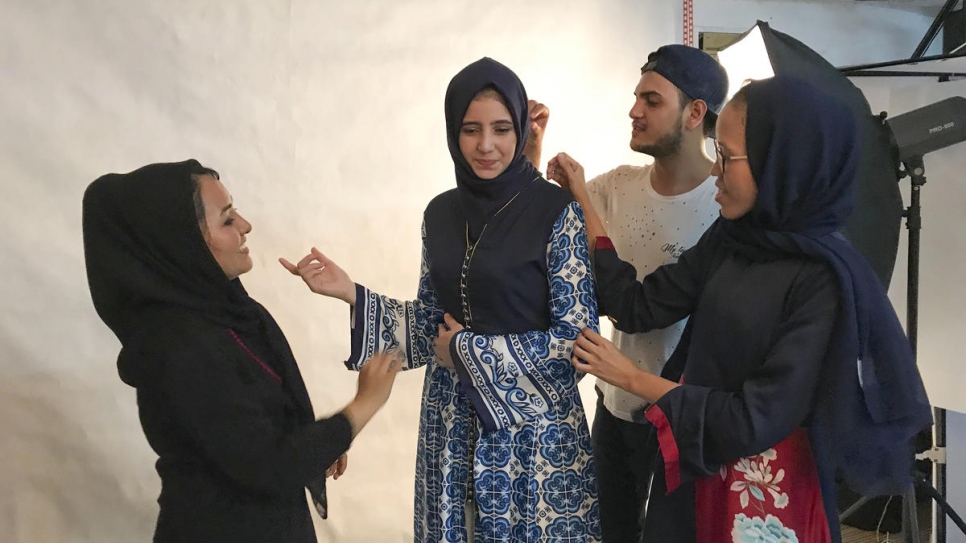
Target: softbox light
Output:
[{"x": 873, "y": 227}]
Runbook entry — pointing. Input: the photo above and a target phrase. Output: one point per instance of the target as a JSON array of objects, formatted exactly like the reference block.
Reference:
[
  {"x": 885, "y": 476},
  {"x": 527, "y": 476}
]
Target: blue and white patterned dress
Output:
[{"x": 510, "y": 418}]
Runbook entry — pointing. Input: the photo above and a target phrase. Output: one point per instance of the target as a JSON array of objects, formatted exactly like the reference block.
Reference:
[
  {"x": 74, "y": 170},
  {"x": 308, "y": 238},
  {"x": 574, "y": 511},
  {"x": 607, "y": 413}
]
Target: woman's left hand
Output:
[
  {"x": 447, "y": 330},
  {"x": 323, "y": 276},
  {"x": 338, "y": 468},
  {"x": 596, "y": 355}
]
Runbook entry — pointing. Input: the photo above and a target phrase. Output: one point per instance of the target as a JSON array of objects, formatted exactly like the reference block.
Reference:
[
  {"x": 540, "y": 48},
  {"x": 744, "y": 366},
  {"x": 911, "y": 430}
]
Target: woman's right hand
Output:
[
  {"x": 568, "y": 173},
  {"x": 596, "y": 355},
  {"x": 323, "y": 276},
  {"x": 375, "y": 383},
  {"x": 377, "y": 376}
]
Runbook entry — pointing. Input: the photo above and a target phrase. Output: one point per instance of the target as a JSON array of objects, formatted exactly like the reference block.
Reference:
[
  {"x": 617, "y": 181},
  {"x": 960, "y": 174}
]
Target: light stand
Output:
[
  {"x": 914, "y": 168},
  {"x": 916, "y": 133}
]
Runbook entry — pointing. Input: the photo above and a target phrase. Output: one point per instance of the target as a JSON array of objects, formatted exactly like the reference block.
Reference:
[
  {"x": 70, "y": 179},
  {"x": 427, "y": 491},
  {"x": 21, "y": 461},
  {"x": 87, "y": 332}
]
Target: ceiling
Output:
[{"x": 928, "y": 7}]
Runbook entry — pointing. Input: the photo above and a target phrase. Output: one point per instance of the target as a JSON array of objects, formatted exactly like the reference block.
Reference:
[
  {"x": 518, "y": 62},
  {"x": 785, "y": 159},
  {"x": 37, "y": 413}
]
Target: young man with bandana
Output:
[{"x": 653, "y": 214}]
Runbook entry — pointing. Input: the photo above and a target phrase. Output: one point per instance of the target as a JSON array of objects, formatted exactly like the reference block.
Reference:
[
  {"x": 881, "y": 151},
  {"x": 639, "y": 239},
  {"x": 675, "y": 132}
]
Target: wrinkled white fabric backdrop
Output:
[{"x": 325, "y": 120}]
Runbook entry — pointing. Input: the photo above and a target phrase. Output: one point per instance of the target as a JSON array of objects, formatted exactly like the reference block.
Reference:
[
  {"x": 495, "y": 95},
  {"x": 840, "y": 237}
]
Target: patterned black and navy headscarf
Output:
[
  {"x": 481, "y": 198},
  {"x": 803, "y": 150}
]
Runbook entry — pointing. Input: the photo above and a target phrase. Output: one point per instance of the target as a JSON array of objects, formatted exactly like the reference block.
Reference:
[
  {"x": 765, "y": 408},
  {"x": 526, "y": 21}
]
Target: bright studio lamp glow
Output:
[
  {"x": 746, "y": 59},
  {"x": 873, "y": 228}
]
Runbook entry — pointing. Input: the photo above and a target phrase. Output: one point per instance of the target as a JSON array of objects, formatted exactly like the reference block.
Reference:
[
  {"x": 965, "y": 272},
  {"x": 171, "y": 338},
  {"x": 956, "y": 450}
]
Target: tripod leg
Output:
[
  {"x": 944, "y": 505},
  {"x": 853, "y": 508},
  {"x": 910, "y": 517}
]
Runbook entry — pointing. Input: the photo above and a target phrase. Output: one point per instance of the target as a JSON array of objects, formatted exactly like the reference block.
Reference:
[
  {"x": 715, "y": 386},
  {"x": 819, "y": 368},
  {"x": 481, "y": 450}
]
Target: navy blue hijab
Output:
[
  {"x": 481, "y": 198},
  {"x": 803, "y": 150}
]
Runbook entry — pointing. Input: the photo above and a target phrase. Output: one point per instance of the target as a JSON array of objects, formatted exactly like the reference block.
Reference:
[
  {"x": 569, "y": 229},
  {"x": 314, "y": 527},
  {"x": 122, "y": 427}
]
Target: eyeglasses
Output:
[{"x": 722, "y": 160}]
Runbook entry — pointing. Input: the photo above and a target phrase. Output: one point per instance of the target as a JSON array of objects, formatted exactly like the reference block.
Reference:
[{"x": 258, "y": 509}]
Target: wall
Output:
[
  {"x": 325, "y": 120},
  {"x": 845, "y": 33}
]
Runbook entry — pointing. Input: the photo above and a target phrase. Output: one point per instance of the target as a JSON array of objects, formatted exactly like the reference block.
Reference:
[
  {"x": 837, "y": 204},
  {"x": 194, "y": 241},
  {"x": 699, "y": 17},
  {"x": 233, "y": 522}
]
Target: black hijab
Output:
[
  {"x": 803, "y": 149},
  {"x": 481, "y": 198},
  {"x": 147, "y": 263},
  {"x": 144, "y": 250}
]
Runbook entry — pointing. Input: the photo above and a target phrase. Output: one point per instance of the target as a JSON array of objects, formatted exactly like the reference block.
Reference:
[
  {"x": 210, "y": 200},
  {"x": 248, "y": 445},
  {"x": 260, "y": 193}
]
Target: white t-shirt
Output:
[{"x": 648, "y": 230}]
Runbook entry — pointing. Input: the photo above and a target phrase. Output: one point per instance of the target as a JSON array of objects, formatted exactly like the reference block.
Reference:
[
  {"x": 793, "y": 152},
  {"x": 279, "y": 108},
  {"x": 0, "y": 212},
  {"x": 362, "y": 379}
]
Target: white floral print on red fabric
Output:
[
  {"x": 757, "y": 479},
  {"x": 752, "y": 479}
]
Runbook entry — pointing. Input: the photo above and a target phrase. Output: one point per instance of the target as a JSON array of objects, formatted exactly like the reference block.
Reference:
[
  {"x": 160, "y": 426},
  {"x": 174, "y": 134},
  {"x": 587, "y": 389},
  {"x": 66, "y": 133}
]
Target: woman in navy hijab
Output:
[
  {"x": 794, "y": 369},
  {"x": 505, "y": 288}
]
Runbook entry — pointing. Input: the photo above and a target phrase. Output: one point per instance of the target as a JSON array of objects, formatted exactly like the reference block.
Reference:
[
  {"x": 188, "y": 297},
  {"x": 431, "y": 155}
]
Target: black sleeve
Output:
[
  {"x": 664, "y": 297},
  {"x": 228, "y": 420},
  {"x": 709, "y": 427}
]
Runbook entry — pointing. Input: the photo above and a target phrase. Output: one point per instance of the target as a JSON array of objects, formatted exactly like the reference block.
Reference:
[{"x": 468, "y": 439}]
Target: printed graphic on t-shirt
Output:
[{"x": 648, "y": 230}]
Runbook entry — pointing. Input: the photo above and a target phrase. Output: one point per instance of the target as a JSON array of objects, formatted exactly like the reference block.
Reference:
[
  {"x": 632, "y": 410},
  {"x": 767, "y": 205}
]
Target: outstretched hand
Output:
[
  {"x": 596, "y": 355},
  {"x": 377, "y": 376},
  {"x": 323, "y": 276},
  {"x": 374, "y": 386}
]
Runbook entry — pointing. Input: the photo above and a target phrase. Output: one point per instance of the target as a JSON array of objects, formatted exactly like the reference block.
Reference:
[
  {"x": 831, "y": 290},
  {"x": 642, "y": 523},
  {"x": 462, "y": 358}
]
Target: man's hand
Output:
[{"x": 538, "y": 114}]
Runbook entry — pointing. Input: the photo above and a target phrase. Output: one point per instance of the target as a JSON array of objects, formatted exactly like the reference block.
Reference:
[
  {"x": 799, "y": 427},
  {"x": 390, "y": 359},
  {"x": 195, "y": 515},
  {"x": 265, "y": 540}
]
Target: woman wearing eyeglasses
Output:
[{"x": 793, "y": 370}]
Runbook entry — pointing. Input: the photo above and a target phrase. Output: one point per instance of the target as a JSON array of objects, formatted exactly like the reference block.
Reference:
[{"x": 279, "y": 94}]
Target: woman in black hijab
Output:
[
  {"x": 220, "y": 396},
  {"x": 504, "y": 451},
  {"x": 793, "y": 370}
]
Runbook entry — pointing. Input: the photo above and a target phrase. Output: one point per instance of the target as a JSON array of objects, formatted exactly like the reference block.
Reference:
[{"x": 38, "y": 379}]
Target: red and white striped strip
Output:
[{"x": 688, "y": 9}]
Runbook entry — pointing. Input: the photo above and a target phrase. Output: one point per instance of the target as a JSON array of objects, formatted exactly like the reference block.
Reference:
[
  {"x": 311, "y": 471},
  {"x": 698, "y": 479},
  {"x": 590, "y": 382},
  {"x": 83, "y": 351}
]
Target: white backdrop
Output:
[{"x": 325, "y": 119}]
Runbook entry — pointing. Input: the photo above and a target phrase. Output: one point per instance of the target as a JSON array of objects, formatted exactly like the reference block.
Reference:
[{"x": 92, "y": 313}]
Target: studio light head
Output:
[{"x": 929, "y": 128}]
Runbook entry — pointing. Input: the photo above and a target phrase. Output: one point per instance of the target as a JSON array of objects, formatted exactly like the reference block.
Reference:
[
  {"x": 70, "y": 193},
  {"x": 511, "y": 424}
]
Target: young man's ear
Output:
[{"x": 697, "y": 109}]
